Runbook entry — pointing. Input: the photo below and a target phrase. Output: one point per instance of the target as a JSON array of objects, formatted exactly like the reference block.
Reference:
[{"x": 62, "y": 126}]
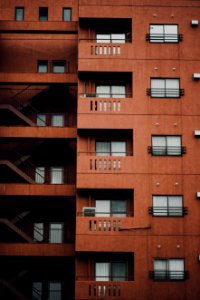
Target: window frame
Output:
[
  {"x": 16, "y": 13},
  {"x": 166, "y": 91},
  {"x": 110, "y": 276},
  {"x": 111, "y": 39},
  {"x": 45, "y": 64},
  {"x": 167, "y": 276},
  {"x": 166, "y": 148},
  {"x": 53, "y": 168},
  {"x": 110, "y": 152},
  {"x": 63, "y": 14},
  {"x": 163, "y": 37},
  {"x": 59, "y": 63},
  {"x": 43, "y": 17},
  {"x": 168, "y": 214},
  {"x": 61, "y": 231},
  {"x": 111, "y": 213},
  {"x": 111, "y": 93}
]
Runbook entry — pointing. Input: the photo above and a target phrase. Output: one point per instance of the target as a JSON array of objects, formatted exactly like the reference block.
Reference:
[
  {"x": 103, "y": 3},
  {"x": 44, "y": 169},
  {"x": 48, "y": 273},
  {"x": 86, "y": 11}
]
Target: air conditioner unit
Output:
[
  {"x": 196, "y": 76},
  {"x": 197, "y": 133},
  {"x": 89, "y": 211},
  {"x": 194, "y": 23},
  {"x": 198, "y": 195}
]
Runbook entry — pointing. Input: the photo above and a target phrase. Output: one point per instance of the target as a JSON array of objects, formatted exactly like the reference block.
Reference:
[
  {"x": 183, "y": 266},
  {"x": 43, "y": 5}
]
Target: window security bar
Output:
[
  {"x": 168, "y": 211},
  {"x": 107, "y": 40},
  {"x": 164, "y": 38},
  {"x": 165, "y": 93},
  {"x": 165, "y": 275},
  {"x": 166, "y": 150},
  {"x": 104, "y": 278},
  {"x": 106, "y": 153}
]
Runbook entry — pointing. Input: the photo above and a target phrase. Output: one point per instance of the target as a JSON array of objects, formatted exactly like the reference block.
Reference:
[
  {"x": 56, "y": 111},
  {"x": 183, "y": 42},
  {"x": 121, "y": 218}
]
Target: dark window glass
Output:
[
  {"x": 67, "y": 14},
  {"x": 19, "y": 13},
  {"x": 43, "y": 13},
  {"x": 42, "y": 66}
]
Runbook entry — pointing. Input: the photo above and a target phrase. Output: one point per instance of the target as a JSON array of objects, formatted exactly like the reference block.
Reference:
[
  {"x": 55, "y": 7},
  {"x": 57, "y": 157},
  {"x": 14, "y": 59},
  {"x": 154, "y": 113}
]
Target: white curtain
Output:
[
  {"x": 156, "y": 33},
  {"x": 56, "y": 233},
  {"x": 103, "y": 148},
  {"x": 57, "y": 175},
  {"x": 57, "y": 120},
  {"x": 103, "y": 38},
  {"x": 39, "y": 174},
  {"x": 171, "y": 33},
  {"x": 103, "y": 91},
  {"x": 118, "y": 271},
  {"x": 37, "y": 290},
  {"x": 41, "y": 120},
  {"x": 160, "y": 268},
  {"x": 176, "y": 268},
  {"x": 157, "y": 88},
  {"x": 174, "y": 145},
  {"x": 118, "y": 38},
  {"x": 175, "y": 205},
  {"x": 102, "y": 208},
  {"x": 172, "y": 88},
  {"x": 118, "y": 208},
  {"x": 159, "y": 144},
  {"x": 118, "y": 91},
  {"x": 102, "y": 271},
  {"x": 160, "y": 205},
  {"x": 55, "y": 291},
  {"x": 118, "y": 148},
  {"x": 38, "y": 232}
]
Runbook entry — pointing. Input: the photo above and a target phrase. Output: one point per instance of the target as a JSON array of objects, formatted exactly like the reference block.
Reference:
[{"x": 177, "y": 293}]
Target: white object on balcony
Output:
[
  {"x": 196, "y": 76},
  {"x": 198, "y": 195},
  {"x": 197, "y": 133},
  {"x": 194, "y": 23}
]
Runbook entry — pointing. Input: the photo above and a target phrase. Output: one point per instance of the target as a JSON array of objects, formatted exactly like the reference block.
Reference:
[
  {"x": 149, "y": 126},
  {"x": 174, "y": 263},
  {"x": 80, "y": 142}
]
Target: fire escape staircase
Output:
[
  {"x": 15, "y": 168},
  {"x": 16, "y": 229},
  {"x": 15, "y": 291},
  {"x": 16, "y": 106}
]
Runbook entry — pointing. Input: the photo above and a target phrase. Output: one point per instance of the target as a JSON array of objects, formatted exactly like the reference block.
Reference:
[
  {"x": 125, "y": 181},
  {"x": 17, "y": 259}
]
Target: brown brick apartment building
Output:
[{"x": 99, "y": 149}]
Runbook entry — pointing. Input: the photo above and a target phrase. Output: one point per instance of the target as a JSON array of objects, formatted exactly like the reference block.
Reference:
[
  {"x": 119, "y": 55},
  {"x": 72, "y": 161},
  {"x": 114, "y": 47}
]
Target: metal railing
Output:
[
  {"x": 165, "y": 92},
  {"x": 165, "y": 275},
  {"x": 104, "y": 278},
  {"x": 164, "y": 38},
  {"x": 166, "y": 150},
  {"x": 106, "y": 95},
  {"x": 161, "y": 211},
  {"x": 127, "y": 39},
  {"x": 106, "y": 214}
]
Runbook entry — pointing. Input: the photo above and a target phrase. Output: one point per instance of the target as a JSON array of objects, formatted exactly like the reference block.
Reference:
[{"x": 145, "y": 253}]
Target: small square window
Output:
[
  {"x": 59, "y": 66},
  {"x": 67, "y": 14},
  {"x": 43, "y": 13},
  {"x": 42, "y": 66},
  {"x": 19, "y": 13}
]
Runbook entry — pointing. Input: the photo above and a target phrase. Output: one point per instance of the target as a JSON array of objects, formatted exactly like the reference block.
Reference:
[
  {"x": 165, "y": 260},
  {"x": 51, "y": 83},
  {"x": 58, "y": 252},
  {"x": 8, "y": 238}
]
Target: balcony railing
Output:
[
  {"x": 110, "y": 214},
  {"x": 166, "y": 150},
  {"x": 165, "y": 275},
  {"x": 165, "y": 93},
  {"x": 160, "y": 211},
  {"x": 164, "y": 38},
  {"x": 90, "y": 289}
]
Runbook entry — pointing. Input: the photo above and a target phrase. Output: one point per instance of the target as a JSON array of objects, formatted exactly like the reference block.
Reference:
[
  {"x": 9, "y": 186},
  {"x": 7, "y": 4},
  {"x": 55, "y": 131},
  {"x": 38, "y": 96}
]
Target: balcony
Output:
[
  {"x": 91, "y": 289},
  {"x": 90, "y": 163}
]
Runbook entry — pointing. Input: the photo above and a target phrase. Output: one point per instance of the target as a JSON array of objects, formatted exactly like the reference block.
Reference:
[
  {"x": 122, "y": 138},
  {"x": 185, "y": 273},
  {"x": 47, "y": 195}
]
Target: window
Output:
[
  {"x": 166, "y": 145},
  {"x": 111, "y": 208},
  {"x": 43, "y": 13},
  {"x": 41, "y": 120},
  {"x": 40, "y": 175},
  {"x": 165, "y": 88},
  {"x": 57, "y": 175},
  {"x": 56, "y": 233},
  {"x": 55, "y": 290},
  {"x": 169, "y": 269},
  {"x": 19, "y": 13},
  {"x": 37, "y": 290},
  {"x": 113, "y": 148},
  {"x": 111, "y": 38},
  {"x": 67, "y": 14},
  {"x": 42, "y": 66},
  {"x": 38, "y": 232},
  {"x": 110, "y": 271},
  {"x": 164, "y": 34},
  {"x": 59, "y": 66},
  {"x": 57, "y": 120},
  {"x": 165, "y": 206},
  {"x": 110, "y": 91}
]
